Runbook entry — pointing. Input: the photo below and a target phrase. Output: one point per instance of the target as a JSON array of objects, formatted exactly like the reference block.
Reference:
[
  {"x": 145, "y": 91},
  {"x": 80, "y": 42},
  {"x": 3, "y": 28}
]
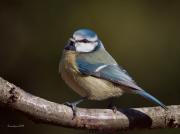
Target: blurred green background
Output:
[{"x": 142, "y": 35}]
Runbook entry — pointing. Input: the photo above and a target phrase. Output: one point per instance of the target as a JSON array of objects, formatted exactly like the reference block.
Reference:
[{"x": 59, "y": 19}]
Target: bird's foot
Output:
[
  {"x": 73, "y": 107},
  {"x": 112, "y": 107}
]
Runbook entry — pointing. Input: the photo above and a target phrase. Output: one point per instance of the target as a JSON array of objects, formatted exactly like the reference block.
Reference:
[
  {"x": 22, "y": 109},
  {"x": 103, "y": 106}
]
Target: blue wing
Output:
[
  {"x": 110, "y": 72},
  {"x": 115, "y": 74}
]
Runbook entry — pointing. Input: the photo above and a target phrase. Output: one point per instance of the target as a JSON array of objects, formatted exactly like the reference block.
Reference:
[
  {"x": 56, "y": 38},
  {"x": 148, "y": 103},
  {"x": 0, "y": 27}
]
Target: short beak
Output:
[{"x": 70, "y": 45}]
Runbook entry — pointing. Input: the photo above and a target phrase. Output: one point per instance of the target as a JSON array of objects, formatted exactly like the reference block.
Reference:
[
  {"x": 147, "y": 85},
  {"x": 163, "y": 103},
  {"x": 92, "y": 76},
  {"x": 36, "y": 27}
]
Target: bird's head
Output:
[{"x": 83, "y": 41}]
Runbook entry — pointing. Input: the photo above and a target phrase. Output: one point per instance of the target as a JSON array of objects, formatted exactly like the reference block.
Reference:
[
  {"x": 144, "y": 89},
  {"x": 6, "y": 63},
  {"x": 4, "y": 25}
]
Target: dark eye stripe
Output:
[{"x": 84, "y": 41}]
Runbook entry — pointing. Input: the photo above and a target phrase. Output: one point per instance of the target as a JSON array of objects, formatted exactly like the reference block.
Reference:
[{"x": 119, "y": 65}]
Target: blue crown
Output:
[{"x": 87, "y": 34}]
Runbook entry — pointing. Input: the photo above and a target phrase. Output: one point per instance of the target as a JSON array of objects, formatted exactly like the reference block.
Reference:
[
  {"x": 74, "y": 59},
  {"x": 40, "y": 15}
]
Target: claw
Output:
[
  {"x": 114, "y": 109},
  {"x": 111, "y": 106},
  {"x": 73, "y": 107}
]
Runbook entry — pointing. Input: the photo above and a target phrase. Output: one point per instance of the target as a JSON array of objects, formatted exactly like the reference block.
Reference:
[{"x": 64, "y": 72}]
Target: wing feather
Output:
[{"x": 110, "y": 72}]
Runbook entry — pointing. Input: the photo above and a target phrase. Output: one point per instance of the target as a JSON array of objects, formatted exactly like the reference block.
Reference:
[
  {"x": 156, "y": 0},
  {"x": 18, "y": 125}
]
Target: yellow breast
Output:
[{"x": 86, "y": 86}]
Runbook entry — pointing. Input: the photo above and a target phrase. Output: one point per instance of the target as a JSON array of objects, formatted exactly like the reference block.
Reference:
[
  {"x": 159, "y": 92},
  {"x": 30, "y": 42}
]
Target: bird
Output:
[{"x": 88, "y": 68}]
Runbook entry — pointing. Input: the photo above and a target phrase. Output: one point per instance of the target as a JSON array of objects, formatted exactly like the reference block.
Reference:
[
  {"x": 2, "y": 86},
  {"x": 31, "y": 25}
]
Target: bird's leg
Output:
[
  {"x": 111, "y": 106},
  {"x": 73, "y": 105}
]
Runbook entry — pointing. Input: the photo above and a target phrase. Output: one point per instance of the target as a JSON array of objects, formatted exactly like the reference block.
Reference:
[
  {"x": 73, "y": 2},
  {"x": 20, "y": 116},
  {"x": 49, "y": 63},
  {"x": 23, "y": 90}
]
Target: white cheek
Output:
[{"x": 85, "y": 47}]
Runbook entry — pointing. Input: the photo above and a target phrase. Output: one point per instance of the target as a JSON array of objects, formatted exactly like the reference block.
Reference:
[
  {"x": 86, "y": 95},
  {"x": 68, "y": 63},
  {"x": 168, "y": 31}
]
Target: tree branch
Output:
[{"x": 45, "y": 111}]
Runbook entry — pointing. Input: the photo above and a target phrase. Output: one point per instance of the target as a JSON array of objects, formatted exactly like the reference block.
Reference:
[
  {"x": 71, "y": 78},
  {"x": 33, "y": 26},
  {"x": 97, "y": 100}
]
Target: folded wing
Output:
[
  {"x": 115, "y": 74},
  {"x": 110, "y": 72}
]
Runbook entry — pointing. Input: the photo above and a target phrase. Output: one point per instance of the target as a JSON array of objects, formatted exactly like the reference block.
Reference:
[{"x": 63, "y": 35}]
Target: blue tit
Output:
[{"x": 93, "y": 73}]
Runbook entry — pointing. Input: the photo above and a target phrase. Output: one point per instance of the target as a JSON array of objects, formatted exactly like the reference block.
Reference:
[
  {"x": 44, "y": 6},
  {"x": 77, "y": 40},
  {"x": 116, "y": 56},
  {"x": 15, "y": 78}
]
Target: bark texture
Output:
[{"x": 44, "y": 111}]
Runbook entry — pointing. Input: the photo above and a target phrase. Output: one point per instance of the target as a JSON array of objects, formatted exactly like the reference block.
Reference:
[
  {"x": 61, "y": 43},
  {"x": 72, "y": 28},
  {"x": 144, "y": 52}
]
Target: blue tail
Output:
[{"x": 151, "y": 98}]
